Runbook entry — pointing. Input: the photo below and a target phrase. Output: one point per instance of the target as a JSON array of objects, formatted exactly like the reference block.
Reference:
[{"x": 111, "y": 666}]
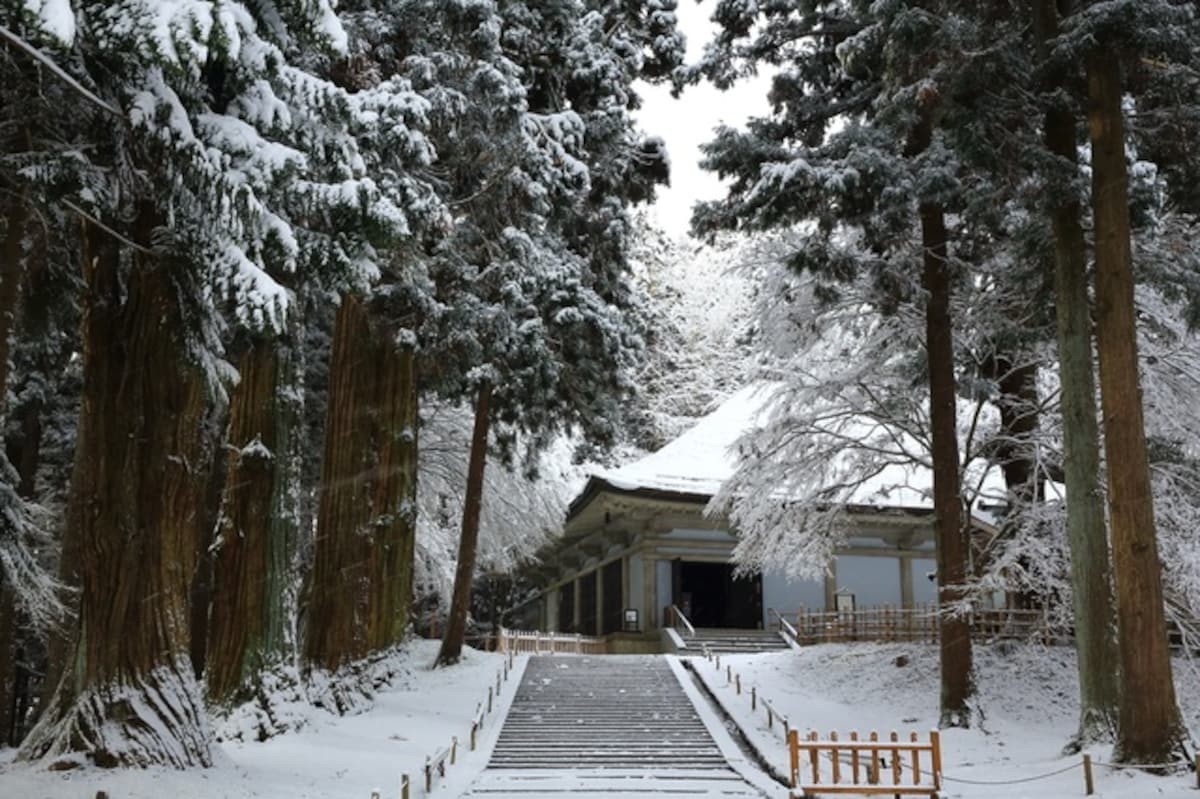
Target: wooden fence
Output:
[
  {"x": 540, "y": 643},
  {"x": 920, "y": 623},
  {"x": 870, "y": 766}
]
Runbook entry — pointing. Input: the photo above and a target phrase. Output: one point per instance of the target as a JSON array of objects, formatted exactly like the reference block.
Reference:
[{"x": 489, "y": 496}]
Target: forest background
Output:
[{"x": 304, "y": 303}]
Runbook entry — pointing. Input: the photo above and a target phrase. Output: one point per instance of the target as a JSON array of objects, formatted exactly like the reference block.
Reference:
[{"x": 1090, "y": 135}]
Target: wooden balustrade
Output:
[
  {"x": 865, "y": 767},
  {"x": 919, "y": 624},
  {"x": 535, "y": 642}
]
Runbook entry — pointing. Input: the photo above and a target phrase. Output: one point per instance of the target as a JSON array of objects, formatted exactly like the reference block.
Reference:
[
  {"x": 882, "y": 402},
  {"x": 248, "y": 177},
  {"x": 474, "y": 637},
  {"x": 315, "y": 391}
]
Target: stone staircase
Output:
[
  {"x": 608, "y": 710},
  {"x": 734, "y": 641},
  {"x": 605, "y": 725}
]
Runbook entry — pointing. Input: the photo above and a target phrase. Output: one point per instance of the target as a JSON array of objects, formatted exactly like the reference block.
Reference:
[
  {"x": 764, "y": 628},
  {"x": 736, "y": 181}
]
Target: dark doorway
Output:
[
  {"x": 566, "y": 608},
  {"x": 611, "y": 579},
  {"x": 588, "y": 616},
  {"x": 710, "y": 596}
]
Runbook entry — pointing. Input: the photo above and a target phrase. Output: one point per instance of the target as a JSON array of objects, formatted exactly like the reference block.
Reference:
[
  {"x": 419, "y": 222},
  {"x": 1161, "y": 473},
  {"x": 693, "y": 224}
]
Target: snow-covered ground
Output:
[
  {"x": 330, "y": 757},
  {"x": 1027, "y": 694}
]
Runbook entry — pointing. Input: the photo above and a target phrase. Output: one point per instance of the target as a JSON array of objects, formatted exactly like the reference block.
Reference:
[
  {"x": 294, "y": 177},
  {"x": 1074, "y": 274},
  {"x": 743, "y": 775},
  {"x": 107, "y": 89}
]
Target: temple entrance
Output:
[{"x": 710, "y": 596}]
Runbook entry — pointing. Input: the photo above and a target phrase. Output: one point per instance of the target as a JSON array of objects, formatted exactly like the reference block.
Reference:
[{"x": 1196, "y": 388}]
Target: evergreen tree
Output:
[
  {"x": 192, "y": 205},
  {"x": 1086, "y": 525},
  {"x": 891, "y": 73},
  {"x": 549, "y": 346},
  {"x": 1149, "y": 728}
]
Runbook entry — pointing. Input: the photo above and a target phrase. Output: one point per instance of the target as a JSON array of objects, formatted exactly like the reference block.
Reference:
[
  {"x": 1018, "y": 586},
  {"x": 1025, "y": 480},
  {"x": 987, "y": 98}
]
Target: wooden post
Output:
[
  {"x": 428, "y": 776},
  {"x": 489, "y": 710},
  {"x": 403, "y": 786},
  {"x": 753, "y": 698},
  {"x": 770, "y": 717},
  {"x": 935, "y": 738},
  {"x": 854, "y": 756},
  {"x": 895, "y": 759},
  {"x": 474, "y": 729},
  {"x": 738, "y": 681},
  {"x": 873, "y": 769},
  {"x": 1088, "y": 787},
  {"x": 793, "y": 739},
  {"x": 812, "y": 757},
  {"x": 1197, "y": 767},
  {"x": 453, "y": 748},
  {"x": 833, "y": 757},
  {"x": 497, "y": 686},
  {"x": 916, "y": 760},
  {"x": 718, "y": 661}
]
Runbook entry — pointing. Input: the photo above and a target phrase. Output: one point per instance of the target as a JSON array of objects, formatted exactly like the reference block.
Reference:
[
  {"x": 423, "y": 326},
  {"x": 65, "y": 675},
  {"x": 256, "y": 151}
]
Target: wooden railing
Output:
[
  {"x": 436, "y": 763},
  {"x": 920, "y": 623},
  {"x": 783, "y": 624},
  {"x": 820, "y": 766},
  {"x": 676, "y": 619},
  {"x": 540, "y": 643}
]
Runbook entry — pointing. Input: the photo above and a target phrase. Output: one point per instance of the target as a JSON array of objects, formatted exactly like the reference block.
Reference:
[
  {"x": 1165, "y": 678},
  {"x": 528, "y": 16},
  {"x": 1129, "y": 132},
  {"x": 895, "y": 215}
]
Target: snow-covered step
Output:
[
  {"x": 627, "y": 784},
  {"x": 612, "y": 725},
  {"x": 608, "y": 711},
  {"x": 729, "y": 641}
]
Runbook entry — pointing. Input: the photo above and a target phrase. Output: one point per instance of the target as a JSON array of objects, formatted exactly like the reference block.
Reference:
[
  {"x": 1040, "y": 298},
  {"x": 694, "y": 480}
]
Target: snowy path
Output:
[{"x": 612, "y": 725}]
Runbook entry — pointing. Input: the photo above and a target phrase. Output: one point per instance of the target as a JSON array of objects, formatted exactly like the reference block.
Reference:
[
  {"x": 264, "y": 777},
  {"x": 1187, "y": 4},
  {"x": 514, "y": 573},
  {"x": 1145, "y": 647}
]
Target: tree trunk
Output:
[
  {"x": 1018, "y": 405},
  {"x": 252, "y": 609},
  {"x": 11, "y": 270},
  {"x": 128, "y": 696},
  {"x": 362, "y": 578},
  {"x": 955, "y": 629},
  {"x": 1087, "y": 532},
  {"x": 1019, "y": 419},
  {"x": 1149, "y": 728},
  {"x": 18, "y": 640},
  {"x": 468, "y": 544}
]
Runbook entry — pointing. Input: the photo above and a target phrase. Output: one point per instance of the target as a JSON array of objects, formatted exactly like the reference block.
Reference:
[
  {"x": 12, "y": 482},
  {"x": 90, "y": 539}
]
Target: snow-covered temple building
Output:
[{"x": 637, "y": 541}]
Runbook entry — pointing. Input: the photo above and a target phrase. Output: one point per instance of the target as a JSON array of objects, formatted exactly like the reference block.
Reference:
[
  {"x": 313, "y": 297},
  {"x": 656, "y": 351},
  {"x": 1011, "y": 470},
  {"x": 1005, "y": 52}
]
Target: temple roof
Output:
[{"x": 693, "y": 466}]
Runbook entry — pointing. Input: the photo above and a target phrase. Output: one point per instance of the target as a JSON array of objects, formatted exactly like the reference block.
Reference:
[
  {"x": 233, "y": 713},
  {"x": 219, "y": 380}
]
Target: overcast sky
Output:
[{"x": 688, "y": 122}]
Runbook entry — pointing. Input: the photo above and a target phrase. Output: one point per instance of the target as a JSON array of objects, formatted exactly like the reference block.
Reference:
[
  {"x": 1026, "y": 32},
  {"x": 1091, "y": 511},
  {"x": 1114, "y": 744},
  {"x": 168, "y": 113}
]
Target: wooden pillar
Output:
[
  {"x": 626, "y": 594},
  {"x": 649, "y": 613},
  {"x": 599, "y": 599},
  {"x": 906, "y": 581},
  {"x": 552, "y": 604},
  {"x": 831, "y": 585},
  {"x": 575, "y": 609}
]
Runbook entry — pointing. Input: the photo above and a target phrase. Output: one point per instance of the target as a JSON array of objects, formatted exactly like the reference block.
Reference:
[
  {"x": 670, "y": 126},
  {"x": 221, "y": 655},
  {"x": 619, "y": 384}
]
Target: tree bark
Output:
[
  {"x": 468, "y": 544},
  {"x": 250, "y": 624},
  {"x": 955, "y": 630},
  {"x": 128, "y": 696},
  {"x": 1087, "y": 531},
  {"x": 1149, "y": 728},
  {"x": 11, "y": 270},
  {"x": 950, "y": 532},
  {"x": 362, "y": 579}
]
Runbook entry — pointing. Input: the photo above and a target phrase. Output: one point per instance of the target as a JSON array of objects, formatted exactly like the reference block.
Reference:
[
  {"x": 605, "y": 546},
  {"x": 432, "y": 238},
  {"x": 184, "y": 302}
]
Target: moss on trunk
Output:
[
  {"x": 128, "y": 696},
  {"x": 361, "y": 585}
]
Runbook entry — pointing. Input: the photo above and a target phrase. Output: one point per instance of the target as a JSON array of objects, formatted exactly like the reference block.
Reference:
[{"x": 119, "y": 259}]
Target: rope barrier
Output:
[
  {"x": 1146, "y": 766},
  {"x": 1034, "y": 778}
]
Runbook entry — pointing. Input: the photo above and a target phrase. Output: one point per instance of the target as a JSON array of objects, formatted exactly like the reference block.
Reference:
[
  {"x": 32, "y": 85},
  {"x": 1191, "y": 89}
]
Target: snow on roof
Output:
[{"x": 701, "y": 459}]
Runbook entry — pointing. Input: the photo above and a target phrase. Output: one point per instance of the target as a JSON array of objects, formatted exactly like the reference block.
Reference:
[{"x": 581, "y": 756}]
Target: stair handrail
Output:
[
  {"x": 785, "y": 624},
  {"x": 679, "y": 617}
]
